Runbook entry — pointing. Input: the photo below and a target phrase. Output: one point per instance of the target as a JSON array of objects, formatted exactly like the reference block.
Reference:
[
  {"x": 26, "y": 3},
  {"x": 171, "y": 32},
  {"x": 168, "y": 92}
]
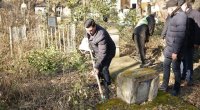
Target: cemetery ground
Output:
[{"x": 22, "y": 87}]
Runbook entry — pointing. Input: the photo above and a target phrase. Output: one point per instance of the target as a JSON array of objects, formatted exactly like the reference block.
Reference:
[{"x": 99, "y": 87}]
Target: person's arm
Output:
[
  {"x": 196, "y": 17},
  {"x": 196, "y": 35},
  {"x": 164, "y": 31},
  {"x": 102, "y": 50}
]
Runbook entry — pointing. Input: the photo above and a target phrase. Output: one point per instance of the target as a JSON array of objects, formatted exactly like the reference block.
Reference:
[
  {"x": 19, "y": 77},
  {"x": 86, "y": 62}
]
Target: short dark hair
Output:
[{"x": 89, "y": 22}]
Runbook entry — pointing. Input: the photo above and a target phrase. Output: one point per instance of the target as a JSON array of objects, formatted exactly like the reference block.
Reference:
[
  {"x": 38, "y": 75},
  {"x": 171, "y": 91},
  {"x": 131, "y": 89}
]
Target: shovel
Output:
[
  {"x": 84, "y": 46},
  {"x": 97, "y": 78}
]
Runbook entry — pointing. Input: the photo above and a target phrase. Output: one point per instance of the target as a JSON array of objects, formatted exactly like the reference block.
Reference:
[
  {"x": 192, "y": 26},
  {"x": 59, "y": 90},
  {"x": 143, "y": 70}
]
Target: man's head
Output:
[
  {"x": 186, "y": 4},
  {"x": 90, "y": 26},
  {"x": 171, "y": 5}
]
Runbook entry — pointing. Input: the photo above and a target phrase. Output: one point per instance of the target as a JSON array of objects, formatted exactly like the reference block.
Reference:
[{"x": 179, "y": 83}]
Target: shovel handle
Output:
[
  {"x": 100, "y": 89},
  {"x": 96, "y": 76}
]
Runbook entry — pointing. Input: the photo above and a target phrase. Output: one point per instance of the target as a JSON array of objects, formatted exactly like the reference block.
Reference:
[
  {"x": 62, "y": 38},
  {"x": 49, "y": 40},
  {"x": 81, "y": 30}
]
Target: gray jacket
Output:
[
  {"x": 102, "y": 45},
  {"x": 175, "y": 34}
]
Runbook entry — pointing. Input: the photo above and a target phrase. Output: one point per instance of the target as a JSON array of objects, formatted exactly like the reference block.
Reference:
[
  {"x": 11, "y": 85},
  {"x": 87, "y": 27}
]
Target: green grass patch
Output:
[{"x": 163, "y": 101}]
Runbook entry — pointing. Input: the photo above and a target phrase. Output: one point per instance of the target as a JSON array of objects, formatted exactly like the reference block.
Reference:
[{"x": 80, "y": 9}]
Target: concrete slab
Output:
[{"x": 120, "y": 64}]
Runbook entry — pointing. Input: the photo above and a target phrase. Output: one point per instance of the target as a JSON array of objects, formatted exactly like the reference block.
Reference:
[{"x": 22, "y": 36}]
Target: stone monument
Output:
[{"x": 138, "y": 86}]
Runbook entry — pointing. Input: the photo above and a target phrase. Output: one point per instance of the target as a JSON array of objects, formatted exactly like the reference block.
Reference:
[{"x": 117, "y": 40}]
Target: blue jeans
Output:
[
  {"x": 187, "y": 65},
  {"x": 176, "y": 69}
]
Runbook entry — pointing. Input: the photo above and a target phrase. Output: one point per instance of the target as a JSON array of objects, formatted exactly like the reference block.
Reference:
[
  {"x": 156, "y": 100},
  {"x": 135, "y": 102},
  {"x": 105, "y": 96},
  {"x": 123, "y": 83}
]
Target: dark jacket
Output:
[
  {"x": 102, "y": 45},
  {"x": 194, "y": 26},
  {"x": 175, "y": 34}
]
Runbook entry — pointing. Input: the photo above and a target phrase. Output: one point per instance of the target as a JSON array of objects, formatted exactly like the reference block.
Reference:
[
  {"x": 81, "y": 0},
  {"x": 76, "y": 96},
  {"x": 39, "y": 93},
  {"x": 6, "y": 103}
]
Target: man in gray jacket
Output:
[
  {"x": 103, "y": 48},
  {"x": 173, "y": 52}
]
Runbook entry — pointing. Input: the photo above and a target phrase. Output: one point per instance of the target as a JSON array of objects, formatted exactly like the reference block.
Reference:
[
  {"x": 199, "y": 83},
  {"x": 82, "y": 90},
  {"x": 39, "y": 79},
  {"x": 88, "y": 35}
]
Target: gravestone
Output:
[
  {"x": 137, "y": 86},
  {"x": 52, "y": 21},
  {"x": 19, "y": 33},
  {"x": 114, "y": 34}
]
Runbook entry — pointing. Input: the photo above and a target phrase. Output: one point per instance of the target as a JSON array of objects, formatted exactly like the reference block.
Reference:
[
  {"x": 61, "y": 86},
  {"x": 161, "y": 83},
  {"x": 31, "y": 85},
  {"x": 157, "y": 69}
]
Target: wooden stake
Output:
[
  {"x": 11, "y": 43},
  {"x": 47, "y": 38},
  {"x": 59, "y": 40},
  {"x": 64, "y": 40},
  {"x": 68, "y": 39},
  {"x": 40, "y": 37},
  {"x": 56, "y": 43},
  {"x": 51, "y": 36},
  {"x": 43, "y": 39}
]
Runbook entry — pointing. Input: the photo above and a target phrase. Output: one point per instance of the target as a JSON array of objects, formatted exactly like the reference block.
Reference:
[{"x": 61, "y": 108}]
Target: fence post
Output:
[
  {"x": 11, "y": 43},
  {"x": 47, "y": 38},
  {"x": 56, "y": 43},
  {"x": 51, "y": 36},
  {"x": 40, "y": 37},
  {"x": 63, "y": 35},
  {"x": 59, "y": 40},
  {"x": 43, "y": 34},
  {"x": 72, "y": 34},
  {"x": 68, "y": 42}
]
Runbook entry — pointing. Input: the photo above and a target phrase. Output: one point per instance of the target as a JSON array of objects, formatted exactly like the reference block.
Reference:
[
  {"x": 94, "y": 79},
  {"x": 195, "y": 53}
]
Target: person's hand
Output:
[
  {"x": 174, "y": 56},
  {"x": 96, "y": 71}
]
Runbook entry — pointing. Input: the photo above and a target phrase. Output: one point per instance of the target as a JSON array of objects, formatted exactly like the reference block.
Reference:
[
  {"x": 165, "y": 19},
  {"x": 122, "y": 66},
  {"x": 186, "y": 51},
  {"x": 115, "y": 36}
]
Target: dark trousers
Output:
[
  {"x": 140, "y": 46},
  {"x": 104, "y": 73},
  {"x": 187, "y": 64},
  {"x": 176, "y": 69},
  {"x": 140, "y": 37}
]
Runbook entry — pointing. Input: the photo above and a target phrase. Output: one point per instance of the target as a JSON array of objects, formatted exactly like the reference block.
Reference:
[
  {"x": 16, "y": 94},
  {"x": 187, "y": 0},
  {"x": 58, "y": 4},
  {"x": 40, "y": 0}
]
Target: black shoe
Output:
[
  {"x": 182, "y": 78},
  {"x": 146, "y": 64},
  {"x": 102, "y": 83},
  {"x": 175, "y": 93},
  {"x": 190, "y": 83},
  {"x": 107, "y": 96},
  {"x": 94, "y": 85},
  {"x": 106, "y": 92},
  {"x": 108, "y": 83},
  {"x": 162, "y": 88}
]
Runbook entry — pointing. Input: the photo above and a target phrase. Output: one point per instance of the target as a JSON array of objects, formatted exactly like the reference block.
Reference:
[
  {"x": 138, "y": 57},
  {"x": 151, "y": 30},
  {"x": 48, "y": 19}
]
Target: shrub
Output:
[
  {"x": 51, "y": 61},
  {"x": 47, "y": 60}
]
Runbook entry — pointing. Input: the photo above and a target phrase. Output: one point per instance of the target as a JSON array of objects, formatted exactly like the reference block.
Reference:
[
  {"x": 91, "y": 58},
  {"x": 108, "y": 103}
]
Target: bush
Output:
[{"x": 51, "y": 61}]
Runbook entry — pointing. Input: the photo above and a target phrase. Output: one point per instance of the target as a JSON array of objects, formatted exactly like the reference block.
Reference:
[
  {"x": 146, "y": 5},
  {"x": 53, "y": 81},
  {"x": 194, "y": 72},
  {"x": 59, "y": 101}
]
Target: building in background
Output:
[{"x": 143, "y": 7}]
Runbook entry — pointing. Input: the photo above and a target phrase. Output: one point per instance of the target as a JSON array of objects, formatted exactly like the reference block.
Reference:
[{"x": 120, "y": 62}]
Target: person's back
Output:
[{"x": 141, "y": 33}]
